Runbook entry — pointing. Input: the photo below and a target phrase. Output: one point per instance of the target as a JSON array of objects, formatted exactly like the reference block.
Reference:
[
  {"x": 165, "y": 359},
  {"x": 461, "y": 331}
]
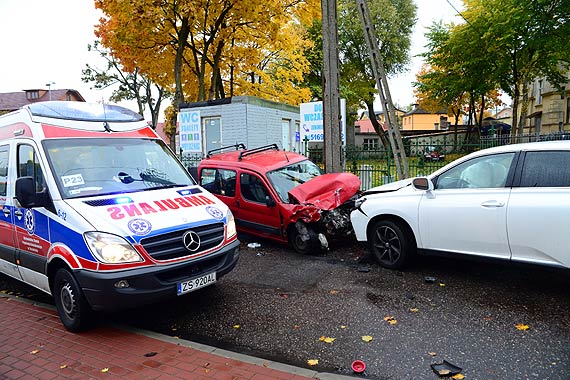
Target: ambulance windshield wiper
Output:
[{"x": 144, "y": 177}]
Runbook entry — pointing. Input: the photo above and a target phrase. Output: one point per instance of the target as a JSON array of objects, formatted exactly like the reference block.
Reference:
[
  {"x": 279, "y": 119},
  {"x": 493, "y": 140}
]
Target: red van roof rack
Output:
[
  {"x": 257, "y": 150},
  {"x": 235, "y": 146}
]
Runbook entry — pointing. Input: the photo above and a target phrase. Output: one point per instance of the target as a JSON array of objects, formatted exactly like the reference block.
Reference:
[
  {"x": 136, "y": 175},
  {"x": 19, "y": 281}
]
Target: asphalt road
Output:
[{"x": 280, "y": 305}]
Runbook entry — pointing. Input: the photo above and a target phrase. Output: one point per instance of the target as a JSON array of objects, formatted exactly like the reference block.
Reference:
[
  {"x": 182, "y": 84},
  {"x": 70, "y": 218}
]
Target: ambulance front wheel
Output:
[{"x": 73, "y": 309}]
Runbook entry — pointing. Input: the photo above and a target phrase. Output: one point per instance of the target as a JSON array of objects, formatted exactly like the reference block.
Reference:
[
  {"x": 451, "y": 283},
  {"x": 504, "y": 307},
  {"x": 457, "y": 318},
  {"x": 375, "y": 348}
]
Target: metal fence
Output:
[{"x": 376, "y": 167}]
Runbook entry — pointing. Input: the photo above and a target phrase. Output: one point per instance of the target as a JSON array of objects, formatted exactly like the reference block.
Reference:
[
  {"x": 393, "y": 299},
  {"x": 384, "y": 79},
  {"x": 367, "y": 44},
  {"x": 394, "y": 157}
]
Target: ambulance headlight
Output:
[
  {"x": 111, "y": 249},
  {"x": 231, "y": 226}
]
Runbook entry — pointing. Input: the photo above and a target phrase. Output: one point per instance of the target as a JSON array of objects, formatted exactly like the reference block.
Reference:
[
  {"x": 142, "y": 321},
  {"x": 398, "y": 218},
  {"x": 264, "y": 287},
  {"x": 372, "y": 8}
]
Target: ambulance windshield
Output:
[{"x": 87, "y": 167}]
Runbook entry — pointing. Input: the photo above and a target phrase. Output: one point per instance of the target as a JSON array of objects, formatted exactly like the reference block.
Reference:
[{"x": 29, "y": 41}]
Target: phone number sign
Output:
[{"x": 312, "y": 121}]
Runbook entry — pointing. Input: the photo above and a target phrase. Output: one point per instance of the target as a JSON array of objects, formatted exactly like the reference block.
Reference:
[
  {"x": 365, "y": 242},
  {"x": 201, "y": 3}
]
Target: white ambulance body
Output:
[{"x": 98, "y": 212}]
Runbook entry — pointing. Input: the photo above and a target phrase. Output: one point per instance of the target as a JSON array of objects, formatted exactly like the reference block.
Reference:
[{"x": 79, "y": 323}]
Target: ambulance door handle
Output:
[
  {"x": 6, "y": 212},
  {"x": 19, "y": 213}
]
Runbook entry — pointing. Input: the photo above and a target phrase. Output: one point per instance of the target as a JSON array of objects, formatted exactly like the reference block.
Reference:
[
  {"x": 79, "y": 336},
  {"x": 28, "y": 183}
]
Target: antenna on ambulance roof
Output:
[{"x": 105, "y": 124}]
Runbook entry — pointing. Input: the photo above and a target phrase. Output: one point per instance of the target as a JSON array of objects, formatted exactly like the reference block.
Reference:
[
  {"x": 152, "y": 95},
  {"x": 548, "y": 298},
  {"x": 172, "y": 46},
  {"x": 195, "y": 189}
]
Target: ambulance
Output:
[{"x": 99, "y": 213}]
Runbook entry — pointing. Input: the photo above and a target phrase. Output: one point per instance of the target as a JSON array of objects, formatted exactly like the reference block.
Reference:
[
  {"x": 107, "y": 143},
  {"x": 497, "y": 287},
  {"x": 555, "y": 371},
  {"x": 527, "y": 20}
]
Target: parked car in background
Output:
[
  {"x": 281, "y": 195},
  {"x": 510, "y": 202},
  {"x": 431, "y": 153}
]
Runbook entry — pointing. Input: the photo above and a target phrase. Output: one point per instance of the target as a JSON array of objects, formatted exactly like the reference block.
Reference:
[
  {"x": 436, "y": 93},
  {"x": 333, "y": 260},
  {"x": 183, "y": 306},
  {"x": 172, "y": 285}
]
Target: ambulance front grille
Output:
[{"x": 171, "y": 246}]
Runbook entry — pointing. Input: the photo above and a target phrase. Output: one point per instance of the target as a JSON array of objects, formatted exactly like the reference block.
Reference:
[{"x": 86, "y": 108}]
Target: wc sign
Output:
[{"x": 190, "y": 131}]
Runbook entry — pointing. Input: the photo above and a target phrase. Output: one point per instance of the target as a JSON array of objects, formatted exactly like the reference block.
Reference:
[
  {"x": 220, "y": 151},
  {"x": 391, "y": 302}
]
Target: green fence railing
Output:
[{"x": 425, "y": 154}]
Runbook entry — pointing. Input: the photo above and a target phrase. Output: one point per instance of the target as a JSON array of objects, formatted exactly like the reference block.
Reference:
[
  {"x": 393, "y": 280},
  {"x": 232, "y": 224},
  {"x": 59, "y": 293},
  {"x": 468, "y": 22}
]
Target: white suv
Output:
[{"x": 510, "y": 202}]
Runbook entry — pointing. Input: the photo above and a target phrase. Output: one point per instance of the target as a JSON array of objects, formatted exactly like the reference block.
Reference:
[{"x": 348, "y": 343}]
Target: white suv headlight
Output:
[
  {"x": 231, "y": 226},
  {"x": 359, "y": 202},
  {"x": 111, "y": 249}
]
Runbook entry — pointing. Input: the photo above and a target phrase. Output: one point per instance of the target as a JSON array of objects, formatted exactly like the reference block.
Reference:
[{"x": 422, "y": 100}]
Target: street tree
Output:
[
  {"x": 127, "y": 85},
  {"x": 520, "y": 40}
]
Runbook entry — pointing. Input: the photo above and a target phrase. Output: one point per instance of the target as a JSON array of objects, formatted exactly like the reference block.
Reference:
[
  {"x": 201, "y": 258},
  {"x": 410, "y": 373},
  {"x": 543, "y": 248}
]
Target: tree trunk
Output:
[{"x": 377, "y": 127}]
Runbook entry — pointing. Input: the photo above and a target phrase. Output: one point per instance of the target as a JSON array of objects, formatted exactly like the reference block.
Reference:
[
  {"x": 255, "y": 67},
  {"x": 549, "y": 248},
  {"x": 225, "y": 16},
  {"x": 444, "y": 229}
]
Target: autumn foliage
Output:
[{"x": 205, "y": 50}]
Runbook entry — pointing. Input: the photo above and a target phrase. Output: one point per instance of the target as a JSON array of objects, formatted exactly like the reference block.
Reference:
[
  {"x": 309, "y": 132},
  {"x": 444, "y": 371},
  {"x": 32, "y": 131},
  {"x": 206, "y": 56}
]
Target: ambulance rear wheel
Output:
[{"x": 73, "y": 309}]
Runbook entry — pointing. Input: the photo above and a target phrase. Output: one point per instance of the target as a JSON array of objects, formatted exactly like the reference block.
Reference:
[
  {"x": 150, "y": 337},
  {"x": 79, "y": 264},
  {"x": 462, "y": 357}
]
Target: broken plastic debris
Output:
[
  {"x": 254, "y": 245},
  {"x": 430, "y": 280},
  {"x": 446, "y": 369}
]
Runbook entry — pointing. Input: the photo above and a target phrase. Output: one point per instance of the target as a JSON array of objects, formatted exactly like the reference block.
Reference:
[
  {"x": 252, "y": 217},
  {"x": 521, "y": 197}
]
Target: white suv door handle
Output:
[{"x": 490, "y": 204}]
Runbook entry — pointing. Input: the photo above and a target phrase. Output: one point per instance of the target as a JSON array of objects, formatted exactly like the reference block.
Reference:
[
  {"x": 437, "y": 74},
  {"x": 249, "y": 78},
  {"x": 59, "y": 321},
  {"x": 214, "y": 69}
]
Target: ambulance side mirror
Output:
[{"x": 26, "y": 193}]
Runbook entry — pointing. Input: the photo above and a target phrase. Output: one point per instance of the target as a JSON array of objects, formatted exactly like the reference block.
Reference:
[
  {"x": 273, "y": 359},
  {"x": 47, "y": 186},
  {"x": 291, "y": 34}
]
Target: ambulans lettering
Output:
[{"x": 132, "y": 210}]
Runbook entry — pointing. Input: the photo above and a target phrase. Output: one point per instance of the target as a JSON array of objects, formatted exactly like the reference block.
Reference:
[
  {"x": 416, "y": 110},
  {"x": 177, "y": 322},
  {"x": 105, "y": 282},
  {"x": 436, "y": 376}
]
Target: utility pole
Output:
[
  {"x": 331, "y": 93},
  {"x": 394, "y": 135}
]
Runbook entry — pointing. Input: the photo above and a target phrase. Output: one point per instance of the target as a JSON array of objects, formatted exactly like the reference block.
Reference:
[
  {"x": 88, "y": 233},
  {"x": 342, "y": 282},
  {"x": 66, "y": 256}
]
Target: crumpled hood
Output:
[
  {"x": 327, "y": 191},
  {"x": 149, "y": 212},
  {"x": 393, "y": 186}
]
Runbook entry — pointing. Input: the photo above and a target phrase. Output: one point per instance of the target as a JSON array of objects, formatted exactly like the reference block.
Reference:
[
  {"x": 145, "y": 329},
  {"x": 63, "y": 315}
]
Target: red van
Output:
[{"x": 281, "y": 195}]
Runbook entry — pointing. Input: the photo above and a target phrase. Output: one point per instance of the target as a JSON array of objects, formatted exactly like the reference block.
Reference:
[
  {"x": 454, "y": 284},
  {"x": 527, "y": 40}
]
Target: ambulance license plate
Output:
[{"x": 196, "y": 283}]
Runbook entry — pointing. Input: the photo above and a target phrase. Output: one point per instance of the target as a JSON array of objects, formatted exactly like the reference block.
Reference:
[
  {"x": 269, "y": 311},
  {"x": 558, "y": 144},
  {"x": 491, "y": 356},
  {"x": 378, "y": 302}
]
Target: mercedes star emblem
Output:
[{"x": 191, "y": 241}]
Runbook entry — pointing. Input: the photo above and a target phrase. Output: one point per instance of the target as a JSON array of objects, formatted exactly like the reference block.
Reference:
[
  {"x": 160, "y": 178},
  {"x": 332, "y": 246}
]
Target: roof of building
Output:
[
  {"x": 421, "y": 111},
  {"x": 11, "y": 101}
]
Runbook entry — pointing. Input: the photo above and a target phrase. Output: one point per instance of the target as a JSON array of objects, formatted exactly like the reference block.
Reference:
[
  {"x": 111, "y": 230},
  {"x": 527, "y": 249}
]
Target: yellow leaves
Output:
[
  {"x": 34, "y": 352},
  {"x": 441, "y": 284},
  {"x": 367, "y": 338},
  {"x": 326, "y": 339},
  {"x": 522, "y": 327},
  {"x": 458, "y": 376},
  {"x": 236, "y": 327},
  {"x": 105, "y": 370},
  {"x": 414, "y": 310},
  {"x": 391, "y": 320},
  {"x": 63, "y": 366},
  {"x": 431, "y": 353},
  {"x": 312, "y": 362}
]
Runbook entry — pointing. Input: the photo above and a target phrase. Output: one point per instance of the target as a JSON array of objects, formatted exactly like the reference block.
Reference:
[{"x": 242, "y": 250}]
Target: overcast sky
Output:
[{"x": 45, "y": 41}]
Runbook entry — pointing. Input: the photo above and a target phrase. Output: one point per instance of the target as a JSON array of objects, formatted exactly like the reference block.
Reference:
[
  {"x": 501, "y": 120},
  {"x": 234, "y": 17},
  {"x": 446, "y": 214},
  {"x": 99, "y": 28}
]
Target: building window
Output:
[
  {"x": 32, "y": 94},
  {"x": 370, "y": 144},
  {"x": 539, "y": 93}
]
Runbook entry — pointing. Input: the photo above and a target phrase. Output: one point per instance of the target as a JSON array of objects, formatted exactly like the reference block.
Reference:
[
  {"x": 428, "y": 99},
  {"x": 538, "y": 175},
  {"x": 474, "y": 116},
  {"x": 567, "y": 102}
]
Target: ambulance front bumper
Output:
[{"x": 150, "y": 284}]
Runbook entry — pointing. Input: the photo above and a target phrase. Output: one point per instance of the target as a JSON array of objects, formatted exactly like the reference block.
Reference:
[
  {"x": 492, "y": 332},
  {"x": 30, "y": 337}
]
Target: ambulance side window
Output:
[
  {"x": 3, "y": 169},
  {"x": 28, "y": 165}
]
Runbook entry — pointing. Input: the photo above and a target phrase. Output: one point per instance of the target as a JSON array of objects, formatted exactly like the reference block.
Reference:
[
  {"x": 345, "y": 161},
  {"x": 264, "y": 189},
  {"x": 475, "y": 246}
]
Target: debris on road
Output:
[
  {"x": 446, "y": 369},
  {"x": 358, "y": 366},
  {"x": 429, "y": 280}
]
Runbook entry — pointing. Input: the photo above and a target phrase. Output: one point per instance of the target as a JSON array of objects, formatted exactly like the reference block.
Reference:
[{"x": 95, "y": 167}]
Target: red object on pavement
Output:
[{"x": 358, "y": 366}]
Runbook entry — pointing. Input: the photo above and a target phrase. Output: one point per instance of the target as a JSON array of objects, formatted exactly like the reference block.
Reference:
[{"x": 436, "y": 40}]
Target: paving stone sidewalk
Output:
[{"x": 35, "y": 345}]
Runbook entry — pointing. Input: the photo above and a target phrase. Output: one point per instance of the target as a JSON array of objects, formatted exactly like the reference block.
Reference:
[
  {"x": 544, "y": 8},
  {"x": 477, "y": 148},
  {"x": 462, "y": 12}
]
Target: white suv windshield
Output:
[
  {"x": 86, "y": 167},
  {"x": 290, "y": 176}
]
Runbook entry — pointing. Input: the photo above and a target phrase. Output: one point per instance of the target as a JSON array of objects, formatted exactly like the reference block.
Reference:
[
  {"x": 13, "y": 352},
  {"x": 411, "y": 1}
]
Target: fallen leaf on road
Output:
[
  {"x": 326, "y": 339},
  {"x": 333, "y": 292},
  {"x": 312, "y": 362},
  {"x": 522, "y": 327},
  {"x": 367, "y": 338},
  {"x": 458, "y": 376},
  {"x": 296, "y": 326},
  {"x": 150, "y": 354},
  {"x": 63, "y": 366},
  {"x": 104, "y": 370},
  {"x": 391, "y": 320},
  {"x": 236, "y": 326},
  {"x": 432, "y": 353},
  {"x": 414, "y": 310},
  {"x": 343, "y": 327},
  {"x": 34, "y": 352},
  {"x": 441, "y": 284}
]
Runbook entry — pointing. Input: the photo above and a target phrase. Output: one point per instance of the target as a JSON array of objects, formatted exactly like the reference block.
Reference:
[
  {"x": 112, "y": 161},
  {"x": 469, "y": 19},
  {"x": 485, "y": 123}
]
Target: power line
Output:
[{"x": 459, "y": 13}]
